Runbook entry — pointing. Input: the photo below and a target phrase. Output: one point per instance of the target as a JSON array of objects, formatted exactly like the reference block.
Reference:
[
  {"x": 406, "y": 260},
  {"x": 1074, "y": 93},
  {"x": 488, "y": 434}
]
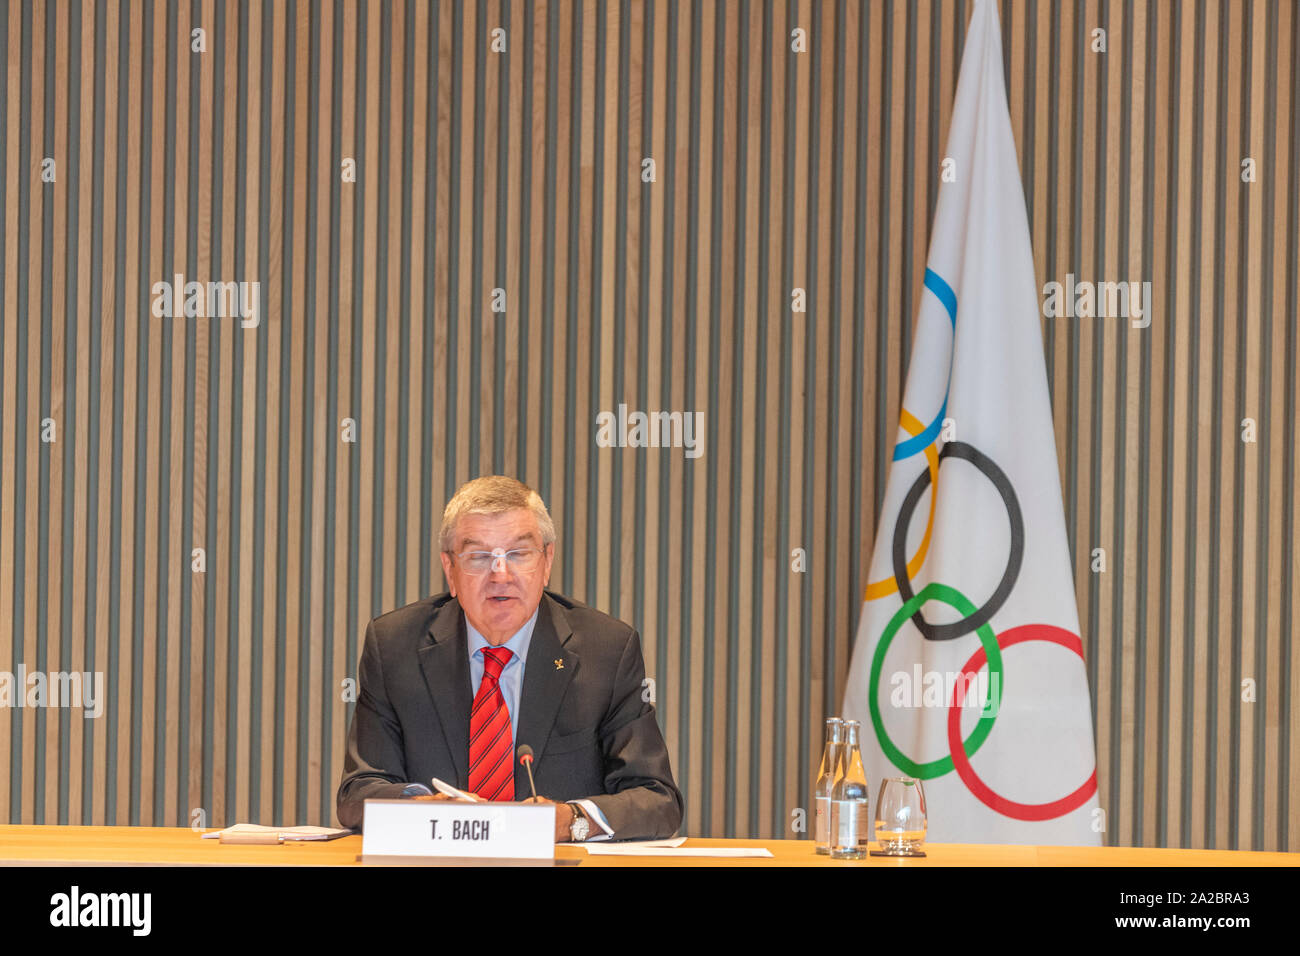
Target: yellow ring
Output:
[{"x": 878, "y": 589}]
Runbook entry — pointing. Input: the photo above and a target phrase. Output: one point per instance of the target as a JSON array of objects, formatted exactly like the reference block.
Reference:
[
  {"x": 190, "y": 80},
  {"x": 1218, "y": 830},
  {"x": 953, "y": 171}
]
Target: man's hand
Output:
[{"x": 563, "y": 817}]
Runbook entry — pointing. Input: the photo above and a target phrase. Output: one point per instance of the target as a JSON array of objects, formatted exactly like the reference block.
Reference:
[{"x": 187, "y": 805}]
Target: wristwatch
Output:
[{"x": 580, "y": 826}]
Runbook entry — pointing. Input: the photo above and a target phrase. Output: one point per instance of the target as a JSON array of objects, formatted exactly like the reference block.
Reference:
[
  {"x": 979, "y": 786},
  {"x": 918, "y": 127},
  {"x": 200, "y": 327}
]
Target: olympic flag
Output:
[{"x": 968, "y": 668}]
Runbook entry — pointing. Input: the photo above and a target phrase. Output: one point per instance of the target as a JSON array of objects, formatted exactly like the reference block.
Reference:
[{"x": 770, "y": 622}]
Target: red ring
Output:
[{"x": 1017, "y": 811}]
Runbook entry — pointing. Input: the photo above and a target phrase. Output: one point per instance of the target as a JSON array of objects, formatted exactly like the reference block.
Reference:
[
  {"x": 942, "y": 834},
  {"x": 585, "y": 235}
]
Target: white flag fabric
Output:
[{"x": 971, "y": 570}]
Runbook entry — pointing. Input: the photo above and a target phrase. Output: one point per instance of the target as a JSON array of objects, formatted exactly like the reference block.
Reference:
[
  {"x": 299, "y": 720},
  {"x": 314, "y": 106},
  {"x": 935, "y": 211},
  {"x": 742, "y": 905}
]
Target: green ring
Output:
[{"x": 955, "y": 599}]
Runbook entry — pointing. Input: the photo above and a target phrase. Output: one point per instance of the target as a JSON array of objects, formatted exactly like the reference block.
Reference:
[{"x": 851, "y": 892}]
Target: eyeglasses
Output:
[{"x": 520, "y": 560}]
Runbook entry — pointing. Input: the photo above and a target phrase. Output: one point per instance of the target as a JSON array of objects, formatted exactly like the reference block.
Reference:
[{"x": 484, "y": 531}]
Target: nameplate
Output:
[{"x": 445, "y": 828}]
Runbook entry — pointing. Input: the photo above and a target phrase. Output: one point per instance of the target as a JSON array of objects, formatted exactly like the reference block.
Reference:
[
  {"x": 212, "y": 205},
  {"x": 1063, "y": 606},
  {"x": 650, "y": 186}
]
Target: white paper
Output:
[
  {"x": 674, "y": 841},
  {"x": 447, "y": 790},
  {"x": 633, "y": 849},
  {"x": 286, "y": 833}
]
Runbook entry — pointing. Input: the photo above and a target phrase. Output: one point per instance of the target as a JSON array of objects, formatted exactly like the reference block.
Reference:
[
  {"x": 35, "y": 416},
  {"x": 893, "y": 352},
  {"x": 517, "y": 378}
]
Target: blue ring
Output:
[{"x": 922, "y": 440}]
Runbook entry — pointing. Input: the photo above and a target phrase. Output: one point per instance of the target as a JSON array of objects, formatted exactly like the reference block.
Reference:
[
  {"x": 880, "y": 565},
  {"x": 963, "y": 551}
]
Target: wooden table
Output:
[{"x": 180, "y": 846}]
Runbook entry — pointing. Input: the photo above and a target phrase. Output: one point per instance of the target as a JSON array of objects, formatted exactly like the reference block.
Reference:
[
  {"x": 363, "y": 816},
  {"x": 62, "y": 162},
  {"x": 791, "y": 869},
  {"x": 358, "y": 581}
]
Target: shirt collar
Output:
[{"x": 518, "y": 643}]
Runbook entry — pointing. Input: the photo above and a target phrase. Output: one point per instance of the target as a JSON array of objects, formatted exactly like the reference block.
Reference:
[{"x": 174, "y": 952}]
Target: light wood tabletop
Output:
[{"x": 180, "y": 846}]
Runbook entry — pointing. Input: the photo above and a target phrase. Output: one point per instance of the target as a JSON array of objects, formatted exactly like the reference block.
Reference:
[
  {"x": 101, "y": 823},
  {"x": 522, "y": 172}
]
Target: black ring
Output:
[{"x": 947, "y": 632}]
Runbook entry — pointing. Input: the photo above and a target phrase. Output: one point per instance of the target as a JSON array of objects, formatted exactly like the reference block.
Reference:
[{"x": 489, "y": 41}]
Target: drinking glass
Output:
[{"x": 900, "y": 816}]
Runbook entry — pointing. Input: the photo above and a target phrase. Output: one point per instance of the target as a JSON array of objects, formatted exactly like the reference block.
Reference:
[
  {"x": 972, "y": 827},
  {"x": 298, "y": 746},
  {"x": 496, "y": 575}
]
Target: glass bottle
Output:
[
  {"x": 825, "y": 781},
  {"x": 850, "y": 828}
]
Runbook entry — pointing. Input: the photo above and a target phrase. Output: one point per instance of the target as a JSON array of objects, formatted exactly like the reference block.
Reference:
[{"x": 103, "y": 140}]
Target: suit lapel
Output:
[
  {"x": 549, "y": 669},
  {"x": 444, "y": 661}
]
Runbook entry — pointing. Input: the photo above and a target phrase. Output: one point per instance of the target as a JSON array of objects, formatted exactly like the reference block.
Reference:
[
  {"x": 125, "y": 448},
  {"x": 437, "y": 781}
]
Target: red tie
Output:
[{"x": 491, "y": 771}]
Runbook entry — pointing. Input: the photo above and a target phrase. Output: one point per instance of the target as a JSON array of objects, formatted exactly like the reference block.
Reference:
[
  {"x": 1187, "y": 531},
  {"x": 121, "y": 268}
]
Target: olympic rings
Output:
[
  {"x": 955, "y": 599},
  {"x": 886, "y": 586},
  {"x": 960, "y": 754},
  {"x": 924, "y": 438},
  {"x": 977, "y": 618}
]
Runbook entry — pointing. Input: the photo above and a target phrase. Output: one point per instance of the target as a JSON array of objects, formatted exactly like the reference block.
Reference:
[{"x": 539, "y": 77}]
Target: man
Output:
[{"x": 451, "y": 685}]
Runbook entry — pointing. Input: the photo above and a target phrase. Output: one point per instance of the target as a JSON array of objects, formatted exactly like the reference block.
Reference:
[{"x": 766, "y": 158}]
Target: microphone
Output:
[{"x": 525, "y": 755}]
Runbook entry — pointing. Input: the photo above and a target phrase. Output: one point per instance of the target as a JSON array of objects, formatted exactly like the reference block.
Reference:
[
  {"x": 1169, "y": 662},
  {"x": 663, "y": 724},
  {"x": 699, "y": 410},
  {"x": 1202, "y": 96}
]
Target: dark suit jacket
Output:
[{"x": 592, "y": 734}]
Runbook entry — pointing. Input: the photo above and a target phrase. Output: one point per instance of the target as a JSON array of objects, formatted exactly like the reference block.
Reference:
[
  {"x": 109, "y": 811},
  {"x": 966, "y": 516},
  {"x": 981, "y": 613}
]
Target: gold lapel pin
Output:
[{"x": 559, "y": 664}]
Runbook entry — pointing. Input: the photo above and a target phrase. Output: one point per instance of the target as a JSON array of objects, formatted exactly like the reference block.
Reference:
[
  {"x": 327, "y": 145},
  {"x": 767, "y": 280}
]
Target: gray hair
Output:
[{"x": 493, "y": 495}]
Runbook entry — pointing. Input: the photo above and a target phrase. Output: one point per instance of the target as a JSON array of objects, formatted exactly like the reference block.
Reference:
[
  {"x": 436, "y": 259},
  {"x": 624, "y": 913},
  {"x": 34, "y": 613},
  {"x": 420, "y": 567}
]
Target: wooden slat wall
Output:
[{"x": 521, "y": 170}]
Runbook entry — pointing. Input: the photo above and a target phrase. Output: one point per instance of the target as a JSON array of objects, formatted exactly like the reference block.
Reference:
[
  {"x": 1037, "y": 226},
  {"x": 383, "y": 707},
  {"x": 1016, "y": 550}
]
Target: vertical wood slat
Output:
[
  {"x": 293, "y": 277},
  {"x": 73, "y": 742},
  {"x": 672, "y": 294},
  {"x": 121, "y": 716},
  {"x": 262, "y": 190},
  {"x": 215, "y": 357},
  {"x": 53, "y": 338},
  {"x": 315, "y": 47},
  {"x": 205, "y": 257},
  {"x": 1154, "y": 258},
  {"x": 109, "y": 284},
  {"x": 1250, "y": 775},
  {"x": 1126, "y": 179},
  {"x": 29, "y": 469},
  {"x": 221, "y": 661},
  {"x": 1178, "y": 300},
  {"x": 178, "y": 257},
  {"x": 1284, "y": 298},
  {"x": 8, "y": 392},
  {"x": 343, "y": 136}
]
